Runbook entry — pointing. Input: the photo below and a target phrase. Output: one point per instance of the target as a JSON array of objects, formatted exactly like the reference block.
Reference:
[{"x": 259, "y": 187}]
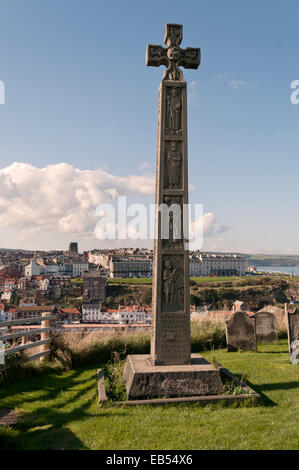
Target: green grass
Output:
[
  {"x": 77, "y": 280},
  {"x": 207, "y": 279},
  {"x": 130, "y": 280},
  {"x": 61, "y": 412},
  {"x": 142, "y": 280}
]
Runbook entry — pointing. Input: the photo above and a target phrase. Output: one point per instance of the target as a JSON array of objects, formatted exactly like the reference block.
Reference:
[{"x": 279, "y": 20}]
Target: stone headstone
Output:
[
  {"x": 265, "y": 328},
  {"x": 240, "y": 332},
  {"x": 292, "y": 320}
]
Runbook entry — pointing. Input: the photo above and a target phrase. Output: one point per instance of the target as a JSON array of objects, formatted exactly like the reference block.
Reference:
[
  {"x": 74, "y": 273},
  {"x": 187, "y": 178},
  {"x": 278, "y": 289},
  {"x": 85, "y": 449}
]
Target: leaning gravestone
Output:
[
  {"x": 170, "y": 369},
  {"x": 292, "y": 320},
  {"x": 265, "y": 328},
  {"x": 240, "y": 332}
]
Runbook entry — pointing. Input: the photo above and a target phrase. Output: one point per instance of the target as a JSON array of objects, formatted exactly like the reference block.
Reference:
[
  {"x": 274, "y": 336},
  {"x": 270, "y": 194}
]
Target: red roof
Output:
[{"x": 69, "y": 310}]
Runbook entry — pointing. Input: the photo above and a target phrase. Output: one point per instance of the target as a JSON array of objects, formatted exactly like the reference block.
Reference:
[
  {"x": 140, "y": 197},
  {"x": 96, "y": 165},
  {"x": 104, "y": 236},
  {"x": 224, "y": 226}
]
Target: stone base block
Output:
[{"x": 143, "y": 380}]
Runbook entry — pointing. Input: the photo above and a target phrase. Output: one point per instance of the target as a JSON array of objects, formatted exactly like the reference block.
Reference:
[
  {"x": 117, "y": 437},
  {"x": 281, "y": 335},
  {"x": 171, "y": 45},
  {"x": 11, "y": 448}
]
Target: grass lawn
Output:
[
  {"x": 143, "y": 280},
  {"x": 129, "y": 280},
  {"x": 208, "y": 279},
  {"x": 61, "y": 412}
]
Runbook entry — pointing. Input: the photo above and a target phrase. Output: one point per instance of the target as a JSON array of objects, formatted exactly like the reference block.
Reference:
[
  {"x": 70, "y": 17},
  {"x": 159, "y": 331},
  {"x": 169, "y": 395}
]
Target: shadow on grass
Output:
[
  {"x": 265, "y": 400},
  {"x": 46, "y": 426},
  {"x": 273, "y": 352},
  {"x": 280, "y": 386}
]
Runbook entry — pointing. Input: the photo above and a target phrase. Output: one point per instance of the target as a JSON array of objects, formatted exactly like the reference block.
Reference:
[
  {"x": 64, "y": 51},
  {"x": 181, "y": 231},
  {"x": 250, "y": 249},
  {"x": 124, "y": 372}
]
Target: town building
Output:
[
  {"x": 41, "y": 296},
  {"x": 210, "y": 264},
  {"x": 73, "y": 247},
  {"x": 34, "y": 311},
  {"x": 33, "y": 269},
  {"x": 68, "y": 315},
  {"x": 130, "y": 266},
  {"x": 7, "y": 313},
  {"x": 136, "y": 314},
  {"x": 94, "y": 286},
  {"x": 27, "y": 302},
  {"x": 79, "y": 268},
  {"x": 92, "y": 313}
]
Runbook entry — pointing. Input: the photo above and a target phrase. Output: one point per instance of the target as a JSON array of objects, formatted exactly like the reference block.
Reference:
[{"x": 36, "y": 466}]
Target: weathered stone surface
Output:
[
  {"x": 144, "y": 380},
  {"x": 101, "y": 386},
  {"x": 171, "y": 307},
  {"x": 265, "y": 328},
  {"x": 171, "y": 311},
  {"x": 292, "y": 320},
  {"x": 240, "y": 332},
  {"x": 169, "y": 369}
]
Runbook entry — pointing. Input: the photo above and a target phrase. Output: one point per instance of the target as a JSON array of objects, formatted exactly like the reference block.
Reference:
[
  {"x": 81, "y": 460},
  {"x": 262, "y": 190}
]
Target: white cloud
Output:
[
  {"x": 235, "y": 84},
  {"x": 209, "y": 225},
  {"x": 193, "y": 83},
  {"x": 60, "y": 199}
]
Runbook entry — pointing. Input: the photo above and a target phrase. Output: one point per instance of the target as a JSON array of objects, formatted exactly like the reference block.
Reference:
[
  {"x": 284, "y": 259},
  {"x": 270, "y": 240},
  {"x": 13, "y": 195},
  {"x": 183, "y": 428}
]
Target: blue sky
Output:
[{"x": 77, "y": 91}]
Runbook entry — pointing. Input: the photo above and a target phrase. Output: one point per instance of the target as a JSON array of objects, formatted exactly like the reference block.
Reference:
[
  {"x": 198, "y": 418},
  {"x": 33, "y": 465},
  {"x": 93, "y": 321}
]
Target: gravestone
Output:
[
  {"x": 240, "y": 332},
  {"x": 265, "y": 328},
  {"x": 292, "y": 321},
  {"x": 170, "y": 369}
]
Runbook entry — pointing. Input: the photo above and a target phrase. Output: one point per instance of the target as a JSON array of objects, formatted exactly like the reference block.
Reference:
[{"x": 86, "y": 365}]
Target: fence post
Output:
[{"x": 45, "y": 324}]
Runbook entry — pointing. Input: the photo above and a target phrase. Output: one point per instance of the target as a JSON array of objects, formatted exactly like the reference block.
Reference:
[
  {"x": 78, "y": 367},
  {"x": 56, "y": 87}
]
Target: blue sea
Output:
[{"x": 279, "y": 269}]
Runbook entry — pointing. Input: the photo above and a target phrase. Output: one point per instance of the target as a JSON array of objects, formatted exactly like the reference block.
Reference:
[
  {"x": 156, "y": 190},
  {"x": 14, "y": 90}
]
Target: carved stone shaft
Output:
[{"x": 171, "y": 311}]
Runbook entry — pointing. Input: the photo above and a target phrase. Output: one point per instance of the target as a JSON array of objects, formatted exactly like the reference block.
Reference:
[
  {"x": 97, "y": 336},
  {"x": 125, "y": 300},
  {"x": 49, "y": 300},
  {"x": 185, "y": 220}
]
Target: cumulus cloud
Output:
[
  {"x": 59, "y": 198},
  {"x": 209, "y": 225}
]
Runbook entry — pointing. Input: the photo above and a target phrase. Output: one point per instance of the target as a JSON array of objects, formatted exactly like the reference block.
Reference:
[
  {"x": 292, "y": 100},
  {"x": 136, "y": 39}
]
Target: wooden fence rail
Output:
[{"x": 45, "y": 331}]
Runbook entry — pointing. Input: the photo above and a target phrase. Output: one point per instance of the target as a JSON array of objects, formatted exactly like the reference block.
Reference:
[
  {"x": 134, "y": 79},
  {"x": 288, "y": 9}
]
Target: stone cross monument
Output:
[
  {"x": 170, "y": 370},
  {"x": 171, "y": 310}
]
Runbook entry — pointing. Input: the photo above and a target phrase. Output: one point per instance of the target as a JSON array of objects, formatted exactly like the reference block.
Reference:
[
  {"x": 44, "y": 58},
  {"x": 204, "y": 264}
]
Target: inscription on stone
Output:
[
  {"x": 174, "y": 342},
  {"x": 265, "y": 328}
]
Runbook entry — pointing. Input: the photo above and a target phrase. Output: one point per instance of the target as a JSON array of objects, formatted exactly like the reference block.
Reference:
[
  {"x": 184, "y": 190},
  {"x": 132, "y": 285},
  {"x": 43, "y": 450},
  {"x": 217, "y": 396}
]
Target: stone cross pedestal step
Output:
[{"x": 144, "y": 380}]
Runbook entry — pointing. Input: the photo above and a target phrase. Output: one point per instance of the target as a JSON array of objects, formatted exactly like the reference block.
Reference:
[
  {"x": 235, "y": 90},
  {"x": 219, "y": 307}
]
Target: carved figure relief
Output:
[
  {"x": 175, "y": 229},
  {"x": 173, "y": 284},
  {"x": 174, "y": 166},
  {"x": 174, "y": 106}
]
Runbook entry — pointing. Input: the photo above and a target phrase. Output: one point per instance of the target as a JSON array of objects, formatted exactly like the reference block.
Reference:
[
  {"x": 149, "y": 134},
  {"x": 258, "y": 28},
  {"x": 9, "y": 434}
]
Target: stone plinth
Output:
[{"x": 144, "y": 380}]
